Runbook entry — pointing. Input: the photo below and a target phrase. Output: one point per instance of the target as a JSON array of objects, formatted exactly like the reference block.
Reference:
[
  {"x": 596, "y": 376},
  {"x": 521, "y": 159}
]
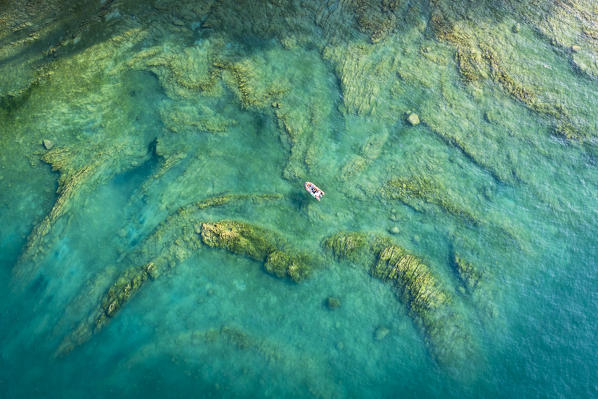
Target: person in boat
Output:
[{"x": 314, "y": 190}]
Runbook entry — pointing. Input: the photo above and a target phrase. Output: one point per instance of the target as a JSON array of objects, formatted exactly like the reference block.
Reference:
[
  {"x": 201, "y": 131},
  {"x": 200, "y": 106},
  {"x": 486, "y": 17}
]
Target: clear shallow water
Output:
[{"x": 160, "y": 107}]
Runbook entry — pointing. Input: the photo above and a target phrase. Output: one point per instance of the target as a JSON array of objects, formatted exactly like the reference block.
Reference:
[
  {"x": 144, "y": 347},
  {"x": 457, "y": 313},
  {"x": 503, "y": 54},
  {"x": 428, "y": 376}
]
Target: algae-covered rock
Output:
[
  {"x": 75, "y": 179},
  {"x": 259, "y": 244},
  {"x": 127, "y": 284},
  {"x": 353, "y": 167},
  {"x": 239, "y": 238},
  {"x": 381, "y": 332},
  {"x": 283, "y": 265},
  {"x": 413, "y": 119},
  {"x": 348, "y": 245},
  {"x": 468, "y": 274},
  {"x": 332, "y": 302},
  {"x": 48, "y": 144},
  {"x": 516, "y": 28},
  {"x": 224, "y": 199},
  {"x": 278, "y": 263},
  {"x": 419, "y": 288},
  {"x": 428, "y": 301},
  {"x": 422, "y": 188},
  {"x": 376, "y": 18},
  {"x": 374, "y": 144},
  {"x": 488, "y": 52},
  {"x": 190, "y": 118}
]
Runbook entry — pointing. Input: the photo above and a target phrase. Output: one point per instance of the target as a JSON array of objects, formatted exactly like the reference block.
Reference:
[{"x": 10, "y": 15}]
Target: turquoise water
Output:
[{"x": 164, "y": 116}]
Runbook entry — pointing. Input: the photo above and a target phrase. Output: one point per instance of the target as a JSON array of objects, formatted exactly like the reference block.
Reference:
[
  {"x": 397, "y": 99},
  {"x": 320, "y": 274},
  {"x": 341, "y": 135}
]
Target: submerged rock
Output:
[
  {"x": 332, "y": 302},
  {"x": 413, "y": 119},
  {"x": 239, "y": 238},
  {"x": 283, "y": 265},
  {"x": 468, "y": 274},
  {"x": 381, "y": 333},
  {"x": 516, "y": 28},
  {"x": 48, "y": 144}
]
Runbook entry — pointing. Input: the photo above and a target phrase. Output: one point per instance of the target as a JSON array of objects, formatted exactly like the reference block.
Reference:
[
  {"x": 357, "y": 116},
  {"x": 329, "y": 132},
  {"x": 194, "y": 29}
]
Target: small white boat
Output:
[{"x": 314, "y": 190}]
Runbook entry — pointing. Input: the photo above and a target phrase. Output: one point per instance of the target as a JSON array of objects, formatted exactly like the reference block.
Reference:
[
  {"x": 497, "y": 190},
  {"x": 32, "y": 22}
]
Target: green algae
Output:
[
  {"x": 189, "y": 119},
  {"x": 354, "y": 167},
  {"x": 220, "y": 200},
  {"x": 427, "y": 188}
]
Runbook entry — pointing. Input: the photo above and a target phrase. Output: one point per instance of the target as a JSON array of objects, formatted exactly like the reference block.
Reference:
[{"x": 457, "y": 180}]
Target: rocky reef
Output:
[
  {"x": 122, "y": 290},
  {"x": 429, "y": 302},
  {"x": 179, "y": 237},
  {"x": 256, "y": 243},
  {"x": 228, "y": 341},
  {"x": 421, "y": 188}
]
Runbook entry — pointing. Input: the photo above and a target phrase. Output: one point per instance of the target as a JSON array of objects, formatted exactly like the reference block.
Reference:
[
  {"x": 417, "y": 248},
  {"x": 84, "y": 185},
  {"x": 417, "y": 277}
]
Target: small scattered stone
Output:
[
  {"x": 575, "y": 48},
  {"x": 48, "y": 144},
  {"x": 516, "y": 28},
  {"x": 332, "y": 302},
  {"x": 381, "y": 333},
  {"x": 152, "y": 271},
  {"x": 340, "y": 345},
  {"x": 413, "y": 119},
  {"x": 394, "y": 230},
  {"x": 210, "y": 292}
]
